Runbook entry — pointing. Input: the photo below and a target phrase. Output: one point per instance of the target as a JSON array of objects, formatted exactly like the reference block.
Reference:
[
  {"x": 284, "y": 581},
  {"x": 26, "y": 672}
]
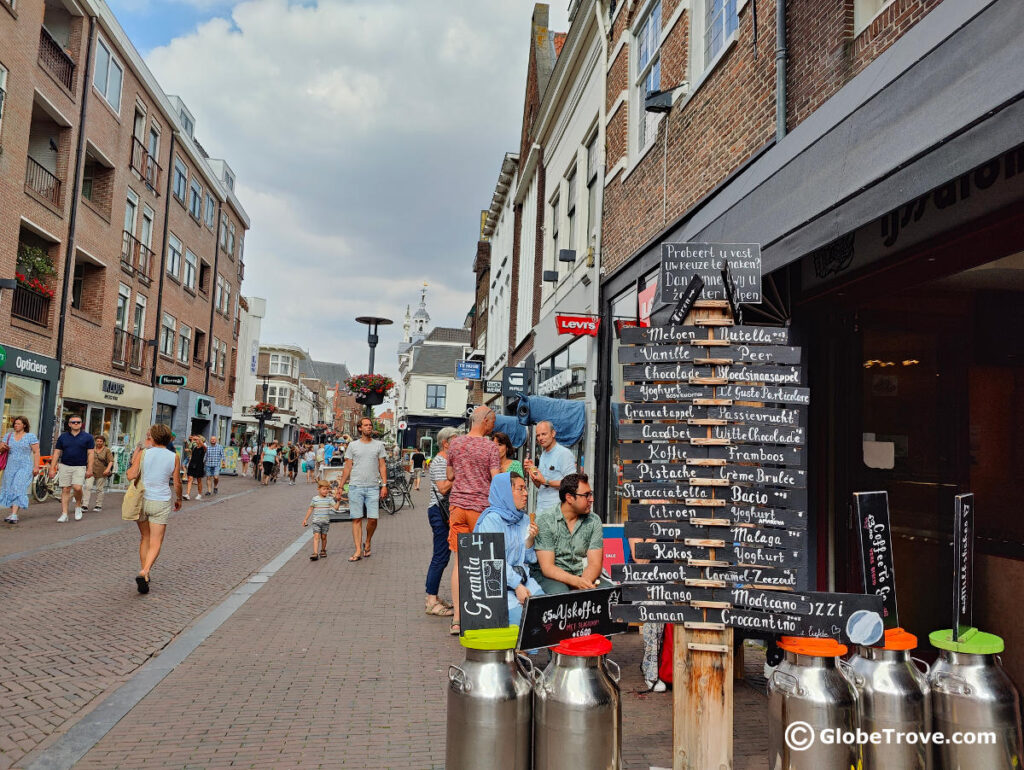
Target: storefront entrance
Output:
[{"x": 28, "y": 386}]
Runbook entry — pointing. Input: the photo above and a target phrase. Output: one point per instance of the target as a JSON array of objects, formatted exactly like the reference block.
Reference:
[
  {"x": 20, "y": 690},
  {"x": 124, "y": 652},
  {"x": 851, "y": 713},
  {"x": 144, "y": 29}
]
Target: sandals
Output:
[
  {"x": 323, "y": 553},
  {"x": 366, "y": 551},
  {"x": 313, "y": 557},
  {"x": 438, "y": 609},
  {"x": 354, "y": 558},
  {"x": 455, "y": 629}
]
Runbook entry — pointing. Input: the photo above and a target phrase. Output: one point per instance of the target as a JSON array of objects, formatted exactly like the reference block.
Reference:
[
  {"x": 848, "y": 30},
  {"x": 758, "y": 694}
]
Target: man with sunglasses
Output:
[
  {"x": 570, "y": 540},
  {"x": 72, "y": 463}
]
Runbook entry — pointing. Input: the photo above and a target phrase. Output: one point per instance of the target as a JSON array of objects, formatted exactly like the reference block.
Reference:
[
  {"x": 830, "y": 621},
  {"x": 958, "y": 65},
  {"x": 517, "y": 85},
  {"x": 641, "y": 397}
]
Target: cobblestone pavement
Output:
[
  {"x": 331, "y": 664},
  {"x": 74, "y": 626},
  {"x": 335, "y": 665}
]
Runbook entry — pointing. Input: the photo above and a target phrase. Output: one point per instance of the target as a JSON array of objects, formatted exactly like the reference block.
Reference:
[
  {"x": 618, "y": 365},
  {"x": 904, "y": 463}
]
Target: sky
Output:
[{"x": 366, "y": 137}]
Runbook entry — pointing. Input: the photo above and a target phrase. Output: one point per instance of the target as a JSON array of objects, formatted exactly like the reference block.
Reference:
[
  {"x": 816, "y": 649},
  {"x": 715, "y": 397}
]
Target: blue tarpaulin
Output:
[
  {"x": 568, "y": 418},
  {"x": 509, "y": 425}
]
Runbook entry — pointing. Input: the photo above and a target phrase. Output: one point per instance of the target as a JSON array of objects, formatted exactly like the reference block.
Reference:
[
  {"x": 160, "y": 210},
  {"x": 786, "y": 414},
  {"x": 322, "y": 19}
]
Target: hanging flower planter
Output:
[
  {"x": 370, "y": 389},
  {"x": 263, "y": 408}
]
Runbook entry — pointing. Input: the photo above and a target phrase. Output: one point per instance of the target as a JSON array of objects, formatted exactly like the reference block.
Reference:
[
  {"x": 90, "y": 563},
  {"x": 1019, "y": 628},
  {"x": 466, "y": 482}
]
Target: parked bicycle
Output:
[{"x": 42, "y": 485}]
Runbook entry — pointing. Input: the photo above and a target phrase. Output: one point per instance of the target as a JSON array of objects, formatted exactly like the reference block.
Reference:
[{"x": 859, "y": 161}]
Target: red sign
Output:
[
  {"x": 646, "y": 303},
  {"x": 577, "y": 325}
]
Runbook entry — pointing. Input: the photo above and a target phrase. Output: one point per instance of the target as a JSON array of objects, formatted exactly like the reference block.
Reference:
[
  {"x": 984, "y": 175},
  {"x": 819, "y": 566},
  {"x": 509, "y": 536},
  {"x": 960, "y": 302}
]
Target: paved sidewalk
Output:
[
  {"x": 335, "y": 665},
  {"x": 74, "y": 627}
]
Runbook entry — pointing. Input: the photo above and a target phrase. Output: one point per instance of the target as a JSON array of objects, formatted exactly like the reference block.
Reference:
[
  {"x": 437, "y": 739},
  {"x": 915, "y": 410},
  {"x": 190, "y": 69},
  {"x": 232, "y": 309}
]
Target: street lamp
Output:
[
  {"x": 263, "y": 421},
  {"x": 372, "y": 322}
]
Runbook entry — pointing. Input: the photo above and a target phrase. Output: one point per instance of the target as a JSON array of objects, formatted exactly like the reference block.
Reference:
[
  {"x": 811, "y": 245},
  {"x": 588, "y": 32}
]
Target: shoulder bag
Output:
[
  {"x": 134, "y": 496},
  {"x": 6, "y": 452}
]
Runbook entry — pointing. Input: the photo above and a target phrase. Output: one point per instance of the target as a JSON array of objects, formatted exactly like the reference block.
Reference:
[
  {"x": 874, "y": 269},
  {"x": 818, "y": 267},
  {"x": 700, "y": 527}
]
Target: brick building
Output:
[
  {"x": 127, "y": 234},
  {"x": 890, "y": 229}
]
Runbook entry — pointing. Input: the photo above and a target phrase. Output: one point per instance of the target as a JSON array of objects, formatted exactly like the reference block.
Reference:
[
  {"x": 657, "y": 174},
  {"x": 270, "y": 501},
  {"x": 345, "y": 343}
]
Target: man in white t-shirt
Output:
[
  {"x": 555, "y": 463},
  {"x": 365, "y": 464}
]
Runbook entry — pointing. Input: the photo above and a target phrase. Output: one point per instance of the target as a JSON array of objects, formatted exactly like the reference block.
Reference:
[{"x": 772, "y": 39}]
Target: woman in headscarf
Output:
[{"x": 506, "y": 513}]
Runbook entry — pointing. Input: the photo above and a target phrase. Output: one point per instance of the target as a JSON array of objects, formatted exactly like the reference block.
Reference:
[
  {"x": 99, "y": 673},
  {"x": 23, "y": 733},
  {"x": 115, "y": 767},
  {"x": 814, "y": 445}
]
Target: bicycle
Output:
[{"x": 42, "y": 485}]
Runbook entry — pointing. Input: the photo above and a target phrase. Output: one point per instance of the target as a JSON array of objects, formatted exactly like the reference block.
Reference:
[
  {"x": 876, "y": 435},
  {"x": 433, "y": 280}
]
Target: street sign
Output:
[
  {"x": 172, "y": 379},
  {"x": 492, "y": 386},
  {"x": 516, "y": 381},
  {"x": 402, "y": 425},
  {"x": 469, "y": 370}
]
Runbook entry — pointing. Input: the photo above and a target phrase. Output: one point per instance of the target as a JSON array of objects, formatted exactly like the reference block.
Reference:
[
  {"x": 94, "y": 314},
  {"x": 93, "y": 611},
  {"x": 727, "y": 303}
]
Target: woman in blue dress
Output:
[{"x": 22, "y": 449}]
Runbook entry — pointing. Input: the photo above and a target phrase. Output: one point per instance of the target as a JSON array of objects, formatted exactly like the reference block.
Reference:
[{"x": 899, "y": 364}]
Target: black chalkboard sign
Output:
[
  {"x": 680, "y": 262},
  {"x": 734, "y": 514},
  {"x": 872, "y": 509},
  {"x": 736, "y": 493},
  {"x": 548, "y": 620},
  {"x": 727, "y": 556},
  {"x": 663, "y": 451},
  {"x": 664, "y": 335},
  {"x": 751, "y": 536},
  {"x": 739, "y": 414},
  {"x": 740, "y": 434},
  {"x": 676, "y": 573},
  {"x": 752, "y": 354},
  {"x": 772, "y": 375},
  {"x": 483, "y": 601},
  {"x": 963, "y": 563},
  {"x": 741, "y": 474},
  {"x": 720, "y": 395}
]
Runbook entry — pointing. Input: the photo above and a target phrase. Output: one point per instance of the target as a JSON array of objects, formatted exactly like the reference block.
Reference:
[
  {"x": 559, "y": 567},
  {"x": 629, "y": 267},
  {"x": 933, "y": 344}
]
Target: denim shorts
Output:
[
  {"x": 213, "y": 470},
  {"x": 363, "y": 501},
  {"x": 320, "y": 526}
]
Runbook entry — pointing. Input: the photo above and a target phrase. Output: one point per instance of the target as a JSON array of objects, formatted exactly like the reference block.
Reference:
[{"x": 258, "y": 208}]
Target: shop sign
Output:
[
  {"x": 516, "y": 381},
  {"x": 492, "y": 386},
  {"x": 112, "y": 389},
  {"x": 680, "y": 262},
  {"x": 549, "y": 620},
  {"x": 577, "y": 325},
  {"x": 402, "y": 425},
  {"x": 469, "y": 370},
  {"x": 180, "y": 380},
  {"x": 876, "y": 551},
  {"x": 28, "y": 364},
  {"x": 483, "y": 603},
  {"x": 561, "y": 380},
  {"x": 204, "y": 408}
]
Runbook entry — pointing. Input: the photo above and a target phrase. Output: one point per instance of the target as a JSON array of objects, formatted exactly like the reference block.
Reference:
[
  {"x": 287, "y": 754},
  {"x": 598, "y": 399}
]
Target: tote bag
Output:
[
  {"x": 3, "y": 457},
  {"x": 134, "y": 497}
]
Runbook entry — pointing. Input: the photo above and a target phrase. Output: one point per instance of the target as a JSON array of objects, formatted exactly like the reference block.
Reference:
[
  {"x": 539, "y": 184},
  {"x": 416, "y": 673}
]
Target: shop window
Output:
[
  {"x": 437, "y": 396},
  {"x": 23, "y": 397},
  {"x": 164, "y": 414}
]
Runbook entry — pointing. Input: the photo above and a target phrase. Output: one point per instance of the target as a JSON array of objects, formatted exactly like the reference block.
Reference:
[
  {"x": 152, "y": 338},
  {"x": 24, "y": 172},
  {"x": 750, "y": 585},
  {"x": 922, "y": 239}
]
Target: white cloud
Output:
[{"x": 366, "y": 136}]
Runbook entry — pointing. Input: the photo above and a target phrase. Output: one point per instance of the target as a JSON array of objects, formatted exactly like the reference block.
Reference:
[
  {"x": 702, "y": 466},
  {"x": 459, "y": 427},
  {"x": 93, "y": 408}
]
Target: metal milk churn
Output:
[
  {"x": 808, "y": 693},
  {"x": 971, "y": 693},
  {"x": 489, "y": 704},
  {"x": 892, "y": 694},
  {"x": 577, "y": 708}
]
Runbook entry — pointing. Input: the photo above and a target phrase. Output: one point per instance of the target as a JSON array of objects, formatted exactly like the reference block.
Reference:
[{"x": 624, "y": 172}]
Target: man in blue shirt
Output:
[
  {"x": 555, "y": 463},
  {"x": 72, "y": 465},
  {"x": 214, "y": 460}
]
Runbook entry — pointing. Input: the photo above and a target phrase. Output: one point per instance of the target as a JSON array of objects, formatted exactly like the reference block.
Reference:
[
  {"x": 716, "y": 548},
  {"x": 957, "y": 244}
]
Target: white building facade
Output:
[{"x": 251, "y": 311}]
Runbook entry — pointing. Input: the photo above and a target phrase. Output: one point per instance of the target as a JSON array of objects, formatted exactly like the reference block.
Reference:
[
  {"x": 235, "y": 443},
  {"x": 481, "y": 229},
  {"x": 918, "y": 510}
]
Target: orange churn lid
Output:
[
  {"x": 898, "y": 639},
  {"x": 815, "y": 647},
  {"x": 589, "y": 646}
]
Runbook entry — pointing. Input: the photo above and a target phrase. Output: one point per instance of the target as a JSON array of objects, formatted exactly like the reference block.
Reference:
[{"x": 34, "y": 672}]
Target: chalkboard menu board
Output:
[
  {"x": 712, "y": 435},
  {"x": 872, "y": 512},
  {"x": 483, "y": 601},
  {"x": 548, "y": 620}
]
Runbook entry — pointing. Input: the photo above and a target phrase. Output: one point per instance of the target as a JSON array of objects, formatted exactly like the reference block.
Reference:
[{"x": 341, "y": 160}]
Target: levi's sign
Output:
[{"x": 577, "y": 325}]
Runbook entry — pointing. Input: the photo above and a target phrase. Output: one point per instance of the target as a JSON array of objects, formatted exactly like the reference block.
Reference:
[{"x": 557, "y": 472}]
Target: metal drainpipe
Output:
[
  {"x": 69, "y": 252},
  {"x": 780, "y": 70},
  {"x": 161, "y": 277},
  {"x": 213, "y": 295}
]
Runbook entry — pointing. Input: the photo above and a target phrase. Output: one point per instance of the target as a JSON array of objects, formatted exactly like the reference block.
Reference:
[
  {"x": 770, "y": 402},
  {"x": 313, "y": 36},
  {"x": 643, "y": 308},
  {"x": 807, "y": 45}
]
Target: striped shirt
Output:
[
  {"x": 438, "y": 472},
  {"x": 321, "y": 506}
]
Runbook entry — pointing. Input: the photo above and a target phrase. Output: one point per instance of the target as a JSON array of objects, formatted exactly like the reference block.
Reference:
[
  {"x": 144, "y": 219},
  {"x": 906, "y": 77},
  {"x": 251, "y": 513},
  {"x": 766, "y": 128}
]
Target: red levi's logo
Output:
[{"x": 577, "y": 325}]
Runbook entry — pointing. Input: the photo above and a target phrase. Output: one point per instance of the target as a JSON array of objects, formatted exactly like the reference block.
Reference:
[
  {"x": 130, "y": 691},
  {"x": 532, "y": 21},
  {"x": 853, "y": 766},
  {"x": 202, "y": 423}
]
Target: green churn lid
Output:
[
  {"x": 491, "y": 638},
  {"x": 973, "y": 642}
]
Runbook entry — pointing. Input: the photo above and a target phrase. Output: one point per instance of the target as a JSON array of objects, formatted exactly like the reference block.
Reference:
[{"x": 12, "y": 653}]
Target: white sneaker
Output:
[
  {"x": 62, "y": 518},
  {"x": 78, "y": 513}
]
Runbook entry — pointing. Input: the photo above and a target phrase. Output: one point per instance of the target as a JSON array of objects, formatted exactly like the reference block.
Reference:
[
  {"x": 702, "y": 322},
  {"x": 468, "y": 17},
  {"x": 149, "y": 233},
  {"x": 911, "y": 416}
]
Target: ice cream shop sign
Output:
[{"x": 577, "y": 325}]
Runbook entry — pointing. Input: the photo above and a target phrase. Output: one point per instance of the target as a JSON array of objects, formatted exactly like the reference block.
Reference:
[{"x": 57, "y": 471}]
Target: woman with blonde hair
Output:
[{"x": 159, "y": 472}]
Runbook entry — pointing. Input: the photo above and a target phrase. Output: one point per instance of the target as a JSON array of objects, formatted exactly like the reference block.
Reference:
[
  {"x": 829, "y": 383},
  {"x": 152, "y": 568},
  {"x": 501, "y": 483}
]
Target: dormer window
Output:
[{"x": 186, "y": 123}]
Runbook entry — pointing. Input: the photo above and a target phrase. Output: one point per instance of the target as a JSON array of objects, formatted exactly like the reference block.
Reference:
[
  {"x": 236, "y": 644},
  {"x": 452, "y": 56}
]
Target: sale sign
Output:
[{"x": 577, "y": 325}]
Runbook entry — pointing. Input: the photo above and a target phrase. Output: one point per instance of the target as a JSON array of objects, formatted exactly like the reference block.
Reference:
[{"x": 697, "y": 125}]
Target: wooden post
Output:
[{"x": 702, "y": 665}]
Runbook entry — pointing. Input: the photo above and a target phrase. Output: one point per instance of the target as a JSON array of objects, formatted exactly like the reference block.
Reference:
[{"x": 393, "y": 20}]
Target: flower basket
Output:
[
  {"x": 264, "y": 408},
  {"x": 370, "y": 398},
  {"x": 370, "y": 389}
]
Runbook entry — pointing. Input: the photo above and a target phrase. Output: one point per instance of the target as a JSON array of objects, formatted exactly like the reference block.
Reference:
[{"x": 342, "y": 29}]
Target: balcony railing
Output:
[
  {"x": 55, "y": 59},
  {"x": 129, "y": 350},
  {"x": 197, "y": 360},
  {"x": 30, "y": 305},
  {"x": 41, "y": 180},
  {"x": 146, "y": 165},
  {"x": 136, "y": 257}
]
